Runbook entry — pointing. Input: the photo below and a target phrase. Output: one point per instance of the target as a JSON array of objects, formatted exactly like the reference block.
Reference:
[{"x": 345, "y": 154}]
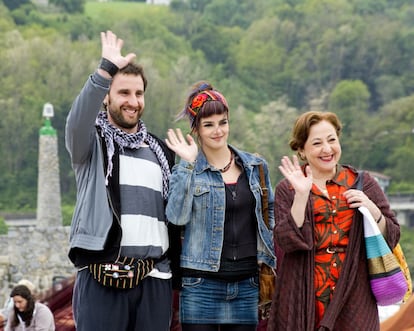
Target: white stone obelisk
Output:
[{"x": 49, "y": 210}]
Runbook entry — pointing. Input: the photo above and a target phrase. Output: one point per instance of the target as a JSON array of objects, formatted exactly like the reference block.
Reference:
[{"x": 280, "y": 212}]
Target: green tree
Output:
[
  {"x": 396, "y": 122},
  {"x": 389, "y": 88},
  {"x": 13, "y": 4},
  {"x": 403, "y": 160},
  {"x": 257, "y": 60},
  {"x": 198, "y": 5},
  {"x": 270, "y": 132},
  {"x": 38, "y": 79},
  {"x": 350, "y": 101},
  {"x": 222, "y": 38},
  {"x": 230, "y": 13},
  {"x": 69, "y": 6}
]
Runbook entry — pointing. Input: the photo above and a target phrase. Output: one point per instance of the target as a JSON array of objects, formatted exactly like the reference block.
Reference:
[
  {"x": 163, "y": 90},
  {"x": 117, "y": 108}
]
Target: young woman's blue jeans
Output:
[{"x": 210, "y": 301}]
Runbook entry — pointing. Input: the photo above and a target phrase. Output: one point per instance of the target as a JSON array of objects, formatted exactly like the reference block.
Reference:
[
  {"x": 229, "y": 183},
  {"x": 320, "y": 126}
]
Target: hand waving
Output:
[
  {"x": 293, "y": 173},
  {"x": 186, "y": 149},
  {"x": 111, "y": 49}
]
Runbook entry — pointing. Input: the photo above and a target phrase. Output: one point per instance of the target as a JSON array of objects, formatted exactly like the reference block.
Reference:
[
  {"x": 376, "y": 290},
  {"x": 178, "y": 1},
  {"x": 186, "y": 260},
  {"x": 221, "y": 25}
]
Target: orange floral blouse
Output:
[{"x": 333, "y": 219}]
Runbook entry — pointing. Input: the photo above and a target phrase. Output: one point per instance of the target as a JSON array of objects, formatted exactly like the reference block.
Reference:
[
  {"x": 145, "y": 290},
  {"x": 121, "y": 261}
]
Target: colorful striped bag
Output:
[{"x": 388, "y": 282}]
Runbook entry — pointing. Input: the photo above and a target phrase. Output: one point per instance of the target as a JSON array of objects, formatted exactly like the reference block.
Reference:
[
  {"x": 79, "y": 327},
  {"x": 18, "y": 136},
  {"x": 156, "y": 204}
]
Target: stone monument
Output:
[
  {"x": 49, "y": 212},
  {"x": 38, "y": 251}
]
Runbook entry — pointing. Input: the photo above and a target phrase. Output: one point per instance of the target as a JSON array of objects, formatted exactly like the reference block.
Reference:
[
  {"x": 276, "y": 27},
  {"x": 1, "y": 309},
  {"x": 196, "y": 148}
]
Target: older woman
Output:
[{"x": 323, "y": 280}]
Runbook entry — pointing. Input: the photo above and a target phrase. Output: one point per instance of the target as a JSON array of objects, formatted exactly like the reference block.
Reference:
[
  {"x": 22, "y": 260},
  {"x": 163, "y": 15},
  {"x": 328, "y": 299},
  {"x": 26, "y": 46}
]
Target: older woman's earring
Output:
[{"x": 302, "y": 156}]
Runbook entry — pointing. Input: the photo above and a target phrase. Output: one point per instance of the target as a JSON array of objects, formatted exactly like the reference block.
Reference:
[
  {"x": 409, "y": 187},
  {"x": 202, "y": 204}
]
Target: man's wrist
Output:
[{"x": 108, "y": 66}]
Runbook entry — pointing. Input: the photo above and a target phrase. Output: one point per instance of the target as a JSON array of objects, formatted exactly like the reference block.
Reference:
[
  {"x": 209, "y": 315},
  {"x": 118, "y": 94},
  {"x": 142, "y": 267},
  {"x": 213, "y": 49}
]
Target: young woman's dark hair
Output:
[
  {"x": 27, "y": 315},
  {"x": 203, "y": 101}
]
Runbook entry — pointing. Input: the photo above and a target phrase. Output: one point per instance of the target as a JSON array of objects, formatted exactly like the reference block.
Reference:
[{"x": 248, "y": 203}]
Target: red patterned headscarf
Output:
[{"x": 200, "y": 99}]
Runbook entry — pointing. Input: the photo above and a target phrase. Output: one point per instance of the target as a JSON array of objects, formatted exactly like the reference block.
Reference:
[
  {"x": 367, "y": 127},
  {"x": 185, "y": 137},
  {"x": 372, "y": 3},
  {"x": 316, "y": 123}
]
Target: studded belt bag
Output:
[{"x": 124, "y": 274}]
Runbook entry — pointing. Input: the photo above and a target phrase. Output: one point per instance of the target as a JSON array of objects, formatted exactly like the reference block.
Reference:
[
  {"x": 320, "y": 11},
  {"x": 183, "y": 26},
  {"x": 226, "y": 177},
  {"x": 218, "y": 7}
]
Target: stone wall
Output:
[{"x": 34, "y": 253}]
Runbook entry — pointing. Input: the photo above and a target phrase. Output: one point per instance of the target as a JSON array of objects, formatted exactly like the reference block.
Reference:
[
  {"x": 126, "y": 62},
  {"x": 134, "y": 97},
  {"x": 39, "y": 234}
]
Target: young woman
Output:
[
  {"x": 323, "y": 280},
  {"x": 28, "y": 315},
  {"x": 215, "y": 192}
]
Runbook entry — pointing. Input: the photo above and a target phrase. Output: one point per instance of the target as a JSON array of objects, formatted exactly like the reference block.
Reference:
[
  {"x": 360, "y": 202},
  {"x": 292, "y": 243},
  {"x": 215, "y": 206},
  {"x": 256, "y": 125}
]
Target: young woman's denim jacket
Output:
[{"x": 197, "y": 200}]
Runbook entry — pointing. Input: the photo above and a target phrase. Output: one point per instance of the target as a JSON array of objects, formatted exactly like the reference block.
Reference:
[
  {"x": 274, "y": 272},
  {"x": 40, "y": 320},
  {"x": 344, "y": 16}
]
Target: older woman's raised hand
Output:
[{"x": 293, "y": 173}]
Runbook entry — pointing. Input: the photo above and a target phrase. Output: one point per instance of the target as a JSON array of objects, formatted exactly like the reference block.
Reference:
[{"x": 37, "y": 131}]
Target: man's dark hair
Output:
[{"x": 134, "y": 69}]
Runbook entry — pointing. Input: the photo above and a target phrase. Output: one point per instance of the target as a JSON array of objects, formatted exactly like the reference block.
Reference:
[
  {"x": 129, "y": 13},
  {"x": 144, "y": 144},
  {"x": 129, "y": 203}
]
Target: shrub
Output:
[{"x": 3, "y": 226}]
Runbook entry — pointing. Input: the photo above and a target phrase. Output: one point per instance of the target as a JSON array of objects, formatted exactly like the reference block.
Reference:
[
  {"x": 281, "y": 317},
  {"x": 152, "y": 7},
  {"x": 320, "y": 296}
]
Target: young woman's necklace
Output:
[
  {"x": 232, "y": 189},
  {"x": 227, "y": 167}
]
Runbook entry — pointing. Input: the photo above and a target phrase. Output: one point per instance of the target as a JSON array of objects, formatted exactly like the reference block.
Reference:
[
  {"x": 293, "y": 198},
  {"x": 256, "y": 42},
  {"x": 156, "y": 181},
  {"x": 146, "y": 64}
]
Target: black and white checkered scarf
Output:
[{"x": 112, "y": 134}]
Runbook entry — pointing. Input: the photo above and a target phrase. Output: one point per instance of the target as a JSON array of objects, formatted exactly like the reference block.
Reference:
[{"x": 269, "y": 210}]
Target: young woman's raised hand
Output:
[{"x": 185, "y": 148}]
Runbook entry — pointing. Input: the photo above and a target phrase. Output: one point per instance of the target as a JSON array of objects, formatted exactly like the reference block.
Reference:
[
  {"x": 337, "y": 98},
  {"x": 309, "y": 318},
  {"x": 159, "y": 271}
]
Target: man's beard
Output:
[{"x": 119, "y": 119}]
